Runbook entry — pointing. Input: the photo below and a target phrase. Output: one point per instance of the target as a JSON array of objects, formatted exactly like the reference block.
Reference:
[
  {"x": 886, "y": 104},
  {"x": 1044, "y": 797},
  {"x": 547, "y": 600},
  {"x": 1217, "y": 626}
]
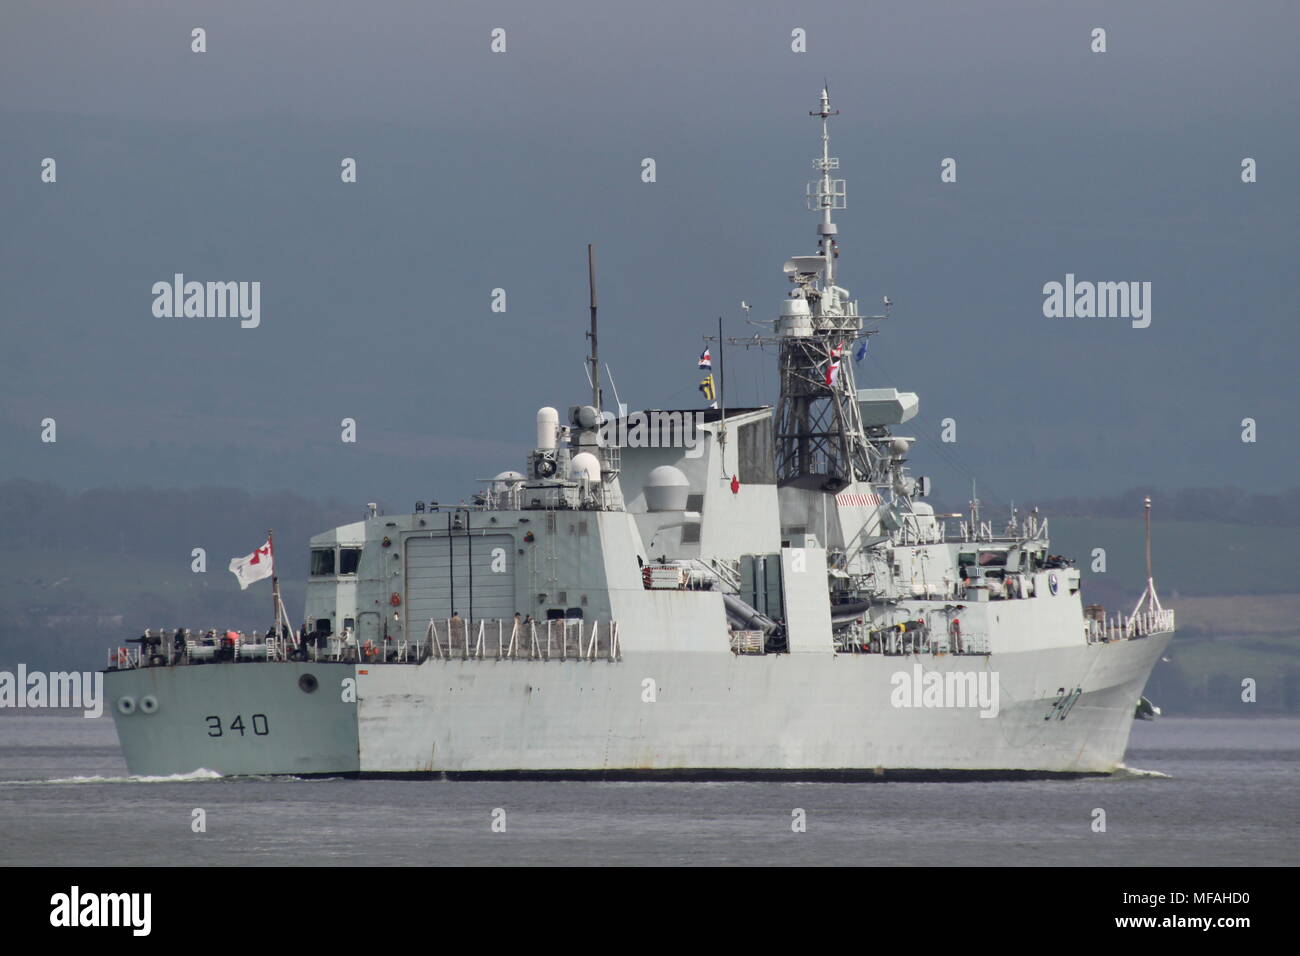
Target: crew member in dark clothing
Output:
[{"x": 150, "y": 646}]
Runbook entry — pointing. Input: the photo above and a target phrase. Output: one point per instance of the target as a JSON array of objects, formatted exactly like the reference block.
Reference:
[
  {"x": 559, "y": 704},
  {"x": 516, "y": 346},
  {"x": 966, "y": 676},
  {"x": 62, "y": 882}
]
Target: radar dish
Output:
[{"x": 804, "y": 265}]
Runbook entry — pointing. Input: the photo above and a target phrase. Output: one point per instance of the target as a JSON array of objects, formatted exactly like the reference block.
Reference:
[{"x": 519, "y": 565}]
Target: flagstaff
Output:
[{"x": 275, "y": 582}]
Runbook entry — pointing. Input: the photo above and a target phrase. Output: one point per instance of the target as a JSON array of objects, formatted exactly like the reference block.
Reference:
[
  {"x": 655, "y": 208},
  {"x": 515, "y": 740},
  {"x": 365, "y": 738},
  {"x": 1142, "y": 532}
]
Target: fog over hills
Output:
[{"x": 81, "y": 572}]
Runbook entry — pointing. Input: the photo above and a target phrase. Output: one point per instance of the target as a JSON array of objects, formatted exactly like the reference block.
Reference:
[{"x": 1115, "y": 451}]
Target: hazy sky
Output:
[{"x": 481, "y": 170}]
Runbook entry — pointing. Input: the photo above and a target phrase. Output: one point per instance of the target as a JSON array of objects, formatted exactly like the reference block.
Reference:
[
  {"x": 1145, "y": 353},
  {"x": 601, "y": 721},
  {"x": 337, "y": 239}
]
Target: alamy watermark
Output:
[
  {"x": 75, "y": 908},
  {"x": 943, "y": 689},
  {"x": 1098, "y": 300},
  {"x": 37, "y": 689},
  {"x": 656, "y": 430},
  {"x": 208, "y": 300}
]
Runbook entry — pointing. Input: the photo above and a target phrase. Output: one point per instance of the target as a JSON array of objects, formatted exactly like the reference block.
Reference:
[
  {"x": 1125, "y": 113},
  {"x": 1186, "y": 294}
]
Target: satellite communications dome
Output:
[
  {"x": 506, "y": 480},
  {"x": 585, "y": 465},
  {"x": 666, "y": 489}
]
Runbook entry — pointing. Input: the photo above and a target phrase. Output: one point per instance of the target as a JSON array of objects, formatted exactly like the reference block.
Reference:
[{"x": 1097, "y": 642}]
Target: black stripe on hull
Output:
[{"x": 719, "y": 775}]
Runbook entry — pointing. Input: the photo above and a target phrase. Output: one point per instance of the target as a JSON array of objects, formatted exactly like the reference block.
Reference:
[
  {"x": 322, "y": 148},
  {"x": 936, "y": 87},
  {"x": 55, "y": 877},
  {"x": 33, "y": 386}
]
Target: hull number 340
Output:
[{"x": 257, "y": 723}]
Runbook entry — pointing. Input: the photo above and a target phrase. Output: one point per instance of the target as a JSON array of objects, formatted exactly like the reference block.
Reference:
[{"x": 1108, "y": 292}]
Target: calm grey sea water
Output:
[{"x": 1229, "y": 797}]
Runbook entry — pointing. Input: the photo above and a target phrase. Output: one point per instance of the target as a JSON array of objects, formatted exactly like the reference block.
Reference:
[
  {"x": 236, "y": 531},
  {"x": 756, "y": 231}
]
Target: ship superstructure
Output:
[{"x": 679, "y": 592}]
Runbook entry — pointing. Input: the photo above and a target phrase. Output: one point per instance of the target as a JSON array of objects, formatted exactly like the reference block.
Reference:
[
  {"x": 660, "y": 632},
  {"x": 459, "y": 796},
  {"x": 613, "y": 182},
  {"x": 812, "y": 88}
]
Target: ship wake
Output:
[
  {"x": 194, "y": 776},
  {"x": 1133, "y": 773}
]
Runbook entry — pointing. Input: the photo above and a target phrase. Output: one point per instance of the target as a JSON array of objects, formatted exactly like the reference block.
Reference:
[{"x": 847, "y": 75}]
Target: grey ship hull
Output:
[
  {"x": 715, "y": 716},
  {"x": 305, "y": 733}
]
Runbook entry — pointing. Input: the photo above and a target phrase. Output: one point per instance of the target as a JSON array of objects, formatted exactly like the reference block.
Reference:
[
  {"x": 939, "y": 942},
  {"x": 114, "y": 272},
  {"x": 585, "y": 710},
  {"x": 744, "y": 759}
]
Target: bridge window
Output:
[
  {"x": 349, "y": 558},
  {"x": 322, "y": 561}
]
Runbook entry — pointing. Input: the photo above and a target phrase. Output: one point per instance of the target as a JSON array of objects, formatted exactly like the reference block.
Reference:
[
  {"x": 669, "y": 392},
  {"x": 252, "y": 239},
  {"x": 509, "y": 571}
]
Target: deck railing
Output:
[
  {"x": 499, "y": 639},
  {"x": 1121, "y": 628},
  {"x": 167, "y": 653},
  {"x": 506, "y": 639},
  {"x": 923, "y": 640}
]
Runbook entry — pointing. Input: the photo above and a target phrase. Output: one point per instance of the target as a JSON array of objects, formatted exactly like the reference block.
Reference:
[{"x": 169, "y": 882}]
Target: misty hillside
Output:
[{"x": 82, "y": 572}]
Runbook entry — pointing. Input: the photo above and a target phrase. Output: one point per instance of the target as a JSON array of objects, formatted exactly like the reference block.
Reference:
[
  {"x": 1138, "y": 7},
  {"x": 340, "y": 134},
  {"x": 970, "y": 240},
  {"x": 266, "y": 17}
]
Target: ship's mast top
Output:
[
  {"x": 826, "y": 194},
  {"x": 594, "y": 357}
]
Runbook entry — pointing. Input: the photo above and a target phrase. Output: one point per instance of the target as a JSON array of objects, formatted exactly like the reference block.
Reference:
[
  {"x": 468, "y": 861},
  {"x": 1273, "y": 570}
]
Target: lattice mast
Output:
[{"x": 820, "y": 441}]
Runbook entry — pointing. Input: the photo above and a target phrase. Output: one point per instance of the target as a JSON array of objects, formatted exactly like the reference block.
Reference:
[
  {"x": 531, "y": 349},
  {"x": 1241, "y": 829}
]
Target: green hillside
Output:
[{"x": 1188, "y": 557}]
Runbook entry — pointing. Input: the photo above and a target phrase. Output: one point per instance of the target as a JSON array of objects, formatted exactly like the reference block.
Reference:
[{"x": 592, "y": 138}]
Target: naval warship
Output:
[{"x": 676, "y": 593}]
